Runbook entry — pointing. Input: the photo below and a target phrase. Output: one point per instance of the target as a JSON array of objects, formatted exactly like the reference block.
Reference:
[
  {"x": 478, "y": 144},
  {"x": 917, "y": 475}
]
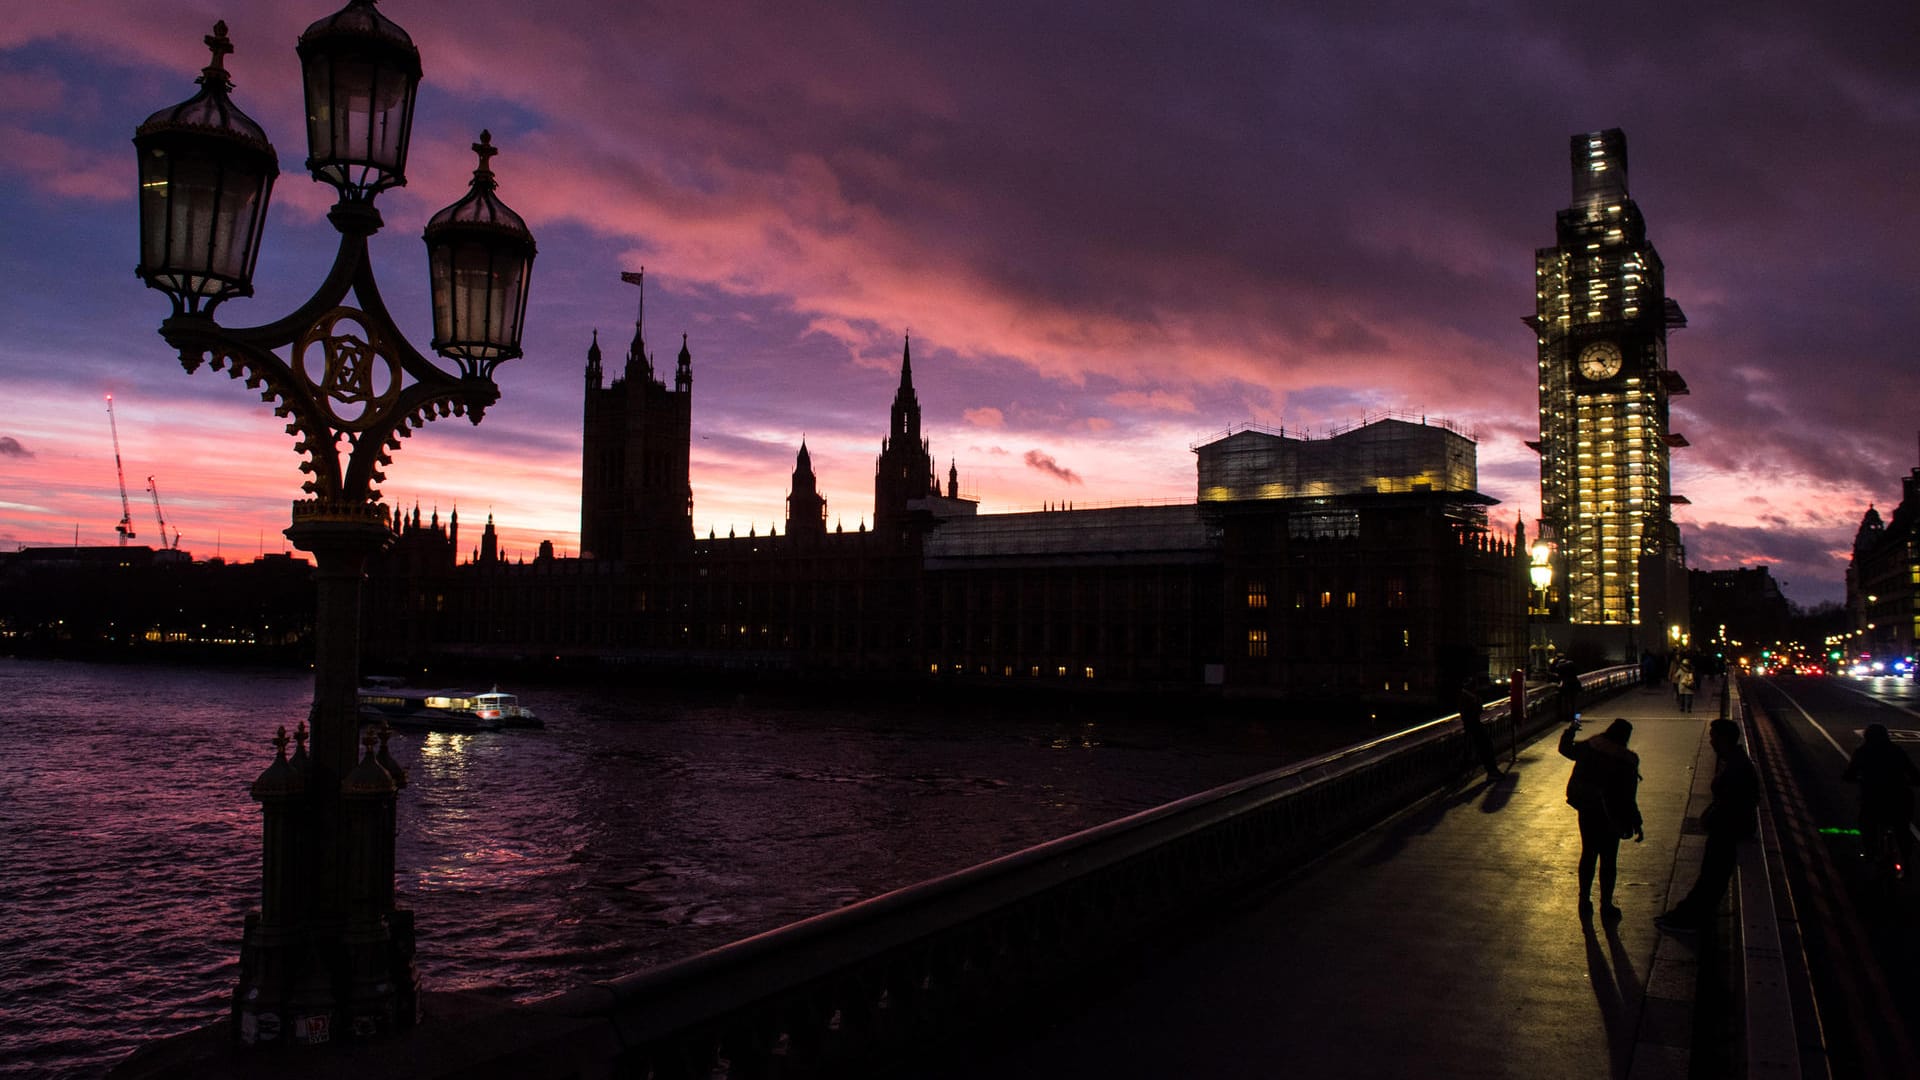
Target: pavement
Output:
[{"x": 1445, "y": 942}]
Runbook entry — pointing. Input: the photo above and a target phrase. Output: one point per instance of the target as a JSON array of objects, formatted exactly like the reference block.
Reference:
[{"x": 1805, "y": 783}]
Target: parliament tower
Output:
[
  {"x": 1601, "y": 320},
  {"x": 636, "y": 495},
  {"x": 904, "y": 471},
  {"x": 806, "y": 507}
]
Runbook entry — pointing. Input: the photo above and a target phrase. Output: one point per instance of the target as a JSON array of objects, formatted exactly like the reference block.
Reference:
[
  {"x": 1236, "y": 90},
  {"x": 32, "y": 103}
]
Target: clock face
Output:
[{"x": 1600, "y": 360}]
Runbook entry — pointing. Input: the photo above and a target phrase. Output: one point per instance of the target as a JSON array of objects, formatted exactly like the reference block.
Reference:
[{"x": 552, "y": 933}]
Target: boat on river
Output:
[{"x": 405, "y": 707}]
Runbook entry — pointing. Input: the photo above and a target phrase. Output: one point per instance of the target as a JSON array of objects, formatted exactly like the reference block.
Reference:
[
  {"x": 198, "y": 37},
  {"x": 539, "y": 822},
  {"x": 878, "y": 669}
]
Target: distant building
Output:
[
  {"x": 1883, "y": 578},
  {"x": 1357, "y": 565},
  {"x": 1734, "y": 608},
  {"x": 135, "y": 602},
  {"x": 1601, "y": 319},
  {"x": 1361, "y": 563}
]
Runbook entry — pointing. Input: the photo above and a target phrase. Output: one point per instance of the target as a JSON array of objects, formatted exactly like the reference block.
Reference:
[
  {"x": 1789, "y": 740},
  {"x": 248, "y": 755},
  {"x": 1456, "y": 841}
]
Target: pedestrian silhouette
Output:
[
  {"x": 1731, "y": 816},
  {"x": 1683, "y": 683},
  {"x": 1472, "y": 702},
  {"x": 1569, "y": 695},
  {"x": 1604, "y": 789}
]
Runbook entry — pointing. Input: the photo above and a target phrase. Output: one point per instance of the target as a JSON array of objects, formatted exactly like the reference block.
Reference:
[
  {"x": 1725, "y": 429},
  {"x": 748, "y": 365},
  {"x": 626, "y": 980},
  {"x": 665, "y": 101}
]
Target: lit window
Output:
[
  {"x": 1326, "y": 598},
  {"x": 1256, "y": 594},
  {"x": 1256, "y": 643}
]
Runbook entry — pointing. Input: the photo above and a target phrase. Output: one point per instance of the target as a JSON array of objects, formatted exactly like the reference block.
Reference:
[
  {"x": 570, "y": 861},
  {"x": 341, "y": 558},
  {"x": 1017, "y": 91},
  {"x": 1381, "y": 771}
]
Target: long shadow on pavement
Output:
[{"x": 1616, "y": 988}]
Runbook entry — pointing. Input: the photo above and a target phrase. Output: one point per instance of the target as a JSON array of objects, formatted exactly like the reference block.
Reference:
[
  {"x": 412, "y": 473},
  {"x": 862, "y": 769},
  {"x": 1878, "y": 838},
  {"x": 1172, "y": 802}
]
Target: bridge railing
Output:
[{"x": 872, "y": 983}]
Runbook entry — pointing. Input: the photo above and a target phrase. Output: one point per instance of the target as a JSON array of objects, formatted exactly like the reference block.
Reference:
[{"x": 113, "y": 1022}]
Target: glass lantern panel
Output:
[
  {"x": 192, "y": 213},
  {"x": 319, "y": 85},
  {"x": 356, "y": 124},
  {"x": 236, "y": 222},
  {"x": 155, "y": 207},
  {"x": 476, "y": 299},
  {"x": 440, "y": 274}
]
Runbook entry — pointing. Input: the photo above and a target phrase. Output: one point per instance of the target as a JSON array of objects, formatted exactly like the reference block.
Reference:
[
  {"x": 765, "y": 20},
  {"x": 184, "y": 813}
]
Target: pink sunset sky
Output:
[{"x": 1113, "y": 230}]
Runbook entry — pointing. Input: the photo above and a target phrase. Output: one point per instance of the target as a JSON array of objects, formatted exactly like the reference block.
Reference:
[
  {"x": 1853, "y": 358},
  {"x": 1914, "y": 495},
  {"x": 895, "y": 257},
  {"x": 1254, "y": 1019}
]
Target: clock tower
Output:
[{"x": 1601, "y": 318}]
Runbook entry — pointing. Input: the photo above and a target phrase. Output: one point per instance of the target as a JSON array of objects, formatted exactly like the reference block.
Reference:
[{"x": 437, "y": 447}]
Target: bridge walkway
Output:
[{"x": 1445, "y": 942}]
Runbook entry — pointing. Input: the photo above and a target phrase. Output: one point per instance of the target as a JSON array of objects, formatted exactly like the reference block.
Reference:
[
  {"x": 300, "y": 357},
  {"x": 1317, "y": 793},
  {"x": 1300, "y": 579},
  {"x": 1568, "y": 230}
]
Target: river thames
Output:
[{"x": 639, "y": 827}]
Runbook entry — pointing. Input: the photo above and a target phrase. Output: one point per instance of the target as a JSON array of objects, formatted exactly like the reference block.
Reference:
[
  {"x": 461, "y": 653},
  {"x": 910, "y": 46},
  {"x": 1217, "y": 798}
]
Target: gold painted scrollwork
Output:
[{"x": 355, "y": 377}]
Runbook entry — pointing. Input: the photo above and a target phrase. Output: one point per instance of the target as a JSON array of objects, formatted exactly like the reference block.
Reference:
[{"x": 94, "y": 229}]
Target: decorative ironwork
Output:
[
  {"x": 396, "y": 390},
  {"x": 356, "y": 375},
  {"x": 329, "y": 950}
]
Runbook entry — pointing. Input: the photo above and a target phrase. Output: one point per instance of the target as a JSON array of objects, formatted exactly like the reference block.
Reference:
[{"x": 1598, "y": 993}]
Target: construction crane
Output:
[
  {"x": 125, "y": 528},
  {"x": 174, "y": 545}
]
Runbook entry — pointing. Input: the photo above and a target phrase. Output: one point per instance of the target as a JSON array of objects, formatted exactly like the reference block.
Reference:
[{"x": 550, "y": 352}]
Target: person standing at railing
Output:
[
  {"x": 1604, "y": 789},
  {"x": 1473, "y": 695},
  {"x": 1569, "y": 695},
  {"x": 1731, "y": 816}
]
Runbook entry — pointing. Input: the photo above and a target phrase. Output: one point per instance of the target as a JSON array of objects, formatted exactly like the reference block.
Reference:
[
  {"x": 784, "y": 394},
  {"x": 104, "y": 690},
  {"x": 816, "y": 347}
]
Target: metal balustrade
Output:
[{"x": 891, "y": 979}]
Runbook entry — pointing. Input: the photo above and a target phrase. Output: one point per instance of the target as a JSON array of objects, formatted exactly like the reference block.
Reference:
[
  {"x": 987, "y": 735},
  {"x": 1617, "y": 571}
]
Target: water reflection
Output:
[
  {"x": 1086, "y": 738},
  {"x": 636, "y": 828}
]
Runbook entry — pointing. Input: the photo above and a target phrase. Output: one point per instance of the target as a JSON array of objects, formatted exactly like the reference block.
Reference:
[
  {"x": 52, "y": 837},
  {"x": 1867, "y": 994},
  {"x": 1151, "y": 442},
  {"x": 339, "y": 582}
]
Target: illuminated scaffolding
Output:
[
  {"x": 1383, "y": 455},
  {"x": 1601, "y": 320}
]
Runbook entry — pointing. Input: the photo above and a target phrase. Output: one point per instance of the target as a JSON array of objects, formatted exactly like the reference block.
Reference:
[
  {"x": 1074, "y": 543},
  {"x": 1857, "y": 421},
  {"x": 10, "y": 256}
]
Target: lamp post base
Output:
[
  {"x": 329, "y": 957},
  {"x": 309, "y": 987}
]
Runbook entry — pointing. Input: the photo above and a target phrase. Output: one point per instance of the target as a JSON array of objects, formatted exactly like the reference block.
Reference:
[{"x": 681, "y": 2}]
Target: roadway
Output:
[{"x": 1861, "y": 949}]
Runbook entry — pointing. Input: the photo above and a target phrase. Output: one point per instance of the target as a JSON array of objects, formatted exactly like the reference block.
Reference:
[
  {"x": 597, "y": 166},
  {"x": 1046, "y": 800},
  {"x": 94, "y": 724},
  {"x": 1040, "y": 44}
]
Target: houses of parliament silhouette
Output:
[{"x": 1359, "y": 564}]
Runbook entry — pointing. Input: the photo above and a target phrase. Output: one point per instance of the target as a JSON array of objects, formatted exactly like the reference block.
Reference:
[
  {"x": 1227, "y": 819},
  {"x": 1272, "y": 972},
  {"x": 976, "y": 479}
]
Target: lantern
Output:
[
  {"x": 361, "y": 73},
  {"x": 206, "y": 172},
  {"x": 480, "y": 255}
]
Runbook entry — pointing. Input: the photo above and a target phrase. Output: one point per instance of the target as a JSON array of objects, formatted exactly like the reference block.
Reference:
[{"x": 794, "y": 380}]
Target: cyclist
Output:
[{"x": 1886, "y": 777}]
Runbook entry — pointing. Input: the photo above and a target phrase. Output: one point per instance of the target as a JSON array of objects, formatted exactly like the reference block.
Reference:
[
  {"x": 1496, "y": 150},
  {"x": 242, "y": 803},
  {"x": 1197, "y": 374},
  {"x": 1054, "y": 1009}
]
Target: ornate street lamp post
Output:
[
  {"x": 329, "y": 952},
  {"x": 1540, "y": 573}
]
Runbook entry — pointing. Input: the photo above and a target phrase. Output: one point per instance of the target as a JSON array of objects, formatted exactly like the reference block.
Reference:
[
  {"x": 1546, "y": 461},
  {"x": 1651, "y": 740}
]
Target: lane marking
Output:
[
  {"x": 1876, "y": 700},
  {"x": 1824, "y": 733}
]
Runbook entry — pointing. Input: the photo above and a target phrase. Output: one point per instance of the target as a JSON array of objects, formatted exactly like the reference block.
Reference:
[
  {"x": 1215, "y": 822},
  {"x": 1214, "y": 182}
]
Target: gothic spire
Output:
[
  {"x": 637, "y": 358},
  {"x": 906, "y": 404}
]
